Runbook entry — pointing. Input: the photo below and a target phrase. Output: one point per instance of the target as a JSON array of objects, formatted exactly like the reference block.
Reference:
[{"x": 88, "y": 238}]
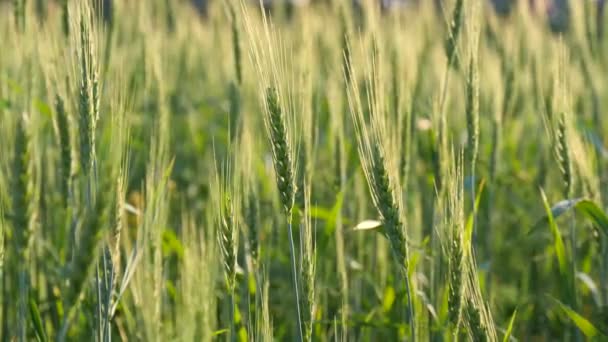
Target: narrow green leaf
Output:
[
  {"x": 581, "y": 322},
  {"x": 320, "y": 213},
  {"x": 37, "y": 321},
  {"x": 469, "y": 226},
  {"x": 592, "y": 211},
  {"x": 335, "y": 211},
  {"x": 510, "y": 327},
  {"x": 586, "y": 207},
  {"x": 44, "y": 108},
  {"x": 558, "y": 243},
  {"x": 220, "y": 332},
  {"x": 556, "y": 211},
  {"x": 389, "y": 299}
]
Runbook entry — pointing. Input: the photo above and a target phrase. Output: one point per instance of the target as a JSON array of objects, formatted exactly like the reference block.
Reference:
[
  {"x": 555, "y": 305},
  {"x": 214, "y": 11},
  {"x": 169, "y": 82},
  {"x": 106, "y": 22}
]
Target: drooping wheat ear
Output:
[
  {"x": 236, "y": 46},
  {"x": 562, "y": 151},
  {"x": 65, "y": 17},
  {"x": 308, "y": 267},
  {"x": 454, "y": 28},
  {"x": 63, "y": 135},
  {"x": 281, "y": 151},
  {"x": 88, "y": 101}
]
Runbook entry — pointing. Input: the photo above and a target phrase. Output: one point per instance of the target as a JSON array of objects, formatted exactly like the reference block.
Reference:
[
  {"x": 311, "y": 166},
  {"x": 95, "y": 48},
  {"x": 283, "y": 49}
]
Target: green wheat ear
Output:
[
  {"x": 454, "y": 28},
  {"x": 388, "y": 208},
  {"x": 251, "y": 214},
  {"x": 65, "y": 17},
  {"x": 472, "y": 112},
  {"x": 236, "y": 46},
  {"x": 19, "y": 14},
  {"x": 88, "y": 101},
  {"x": 562, "y": 151},
  {"x": 308, "y": 268},
  {"x": 19, "y": 188},
  {"x": 227, "y": 239},
  {"x": 455, "y": 271},
  {"x": 65, "y": 147},
  {"x": 21, "y": 193},
  {"x": 281, "y": 151}
]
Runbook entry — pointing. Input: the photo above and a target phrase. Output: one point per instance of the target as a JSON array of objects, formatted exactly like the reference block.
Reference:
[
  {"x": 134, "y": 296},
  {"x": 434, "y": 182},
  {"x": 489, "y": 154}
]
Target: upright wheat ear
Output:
[
  {"x": 472, "y": 113},
  {"x": 307, "y": 267},
  {"x": 88, "y": 101},
  {"x": 562, "y": 151},
  {"x": 227, "y": 239},
  {"x": 381, "y": 169},
  {"x": 280, "y": 150},
  {"x": 63, "y": 135},
  {"x": 22, "y": 230},
  {"x": 19, "y": 14},
  {"x": 454, "y": 28},
  {"x": 19, "y": 190},
  {"x": 236, "y": 46},
  {"x": 284, "y": 169},
  {"x": 65, "y": 17}
]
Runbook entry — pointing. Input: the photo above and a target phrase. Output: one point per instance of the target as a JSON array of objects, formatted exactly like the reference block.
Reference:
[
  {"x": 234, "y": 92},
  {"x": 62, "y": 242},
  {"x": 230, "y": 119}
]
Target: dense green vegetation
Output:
[{"x": 330, "y": 172}]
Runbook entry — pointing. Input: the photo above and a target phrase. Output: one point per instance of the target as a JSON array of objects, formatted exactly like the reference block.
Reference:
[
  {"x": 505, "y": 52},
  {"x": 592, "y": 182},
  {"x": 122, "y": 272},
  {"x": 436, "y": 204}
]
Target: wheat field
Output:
[{"x": 330, "y": 172}]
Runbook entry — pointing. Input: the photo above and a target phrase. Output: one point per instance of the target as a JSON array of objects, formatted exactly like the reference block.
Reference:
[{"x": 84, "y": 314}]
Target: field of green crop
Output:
[{"x": 331, "y": 172}]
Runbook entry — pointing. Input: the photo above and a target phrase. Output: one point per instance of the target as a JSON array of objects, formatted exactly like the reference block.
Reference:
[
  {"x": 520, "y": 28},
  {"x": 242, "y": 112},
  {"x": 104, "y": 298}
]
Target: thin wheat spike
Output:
[
  {"x": 236, "y": 46},
  {"x": 85, "y": 103},
  {"x": 19, "y": 7},
  {"x": 65, "y": 17},
  {"x": 308, "y": 266},
  {"x": 472, "y": 113},
  {"x": 251, "y": 221},
  {"x": 454, "y": 28},
  {"x": 64, "y": 142},
  {"x": 21, "y": 228},
  {"x": 563, "y": 154}
]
